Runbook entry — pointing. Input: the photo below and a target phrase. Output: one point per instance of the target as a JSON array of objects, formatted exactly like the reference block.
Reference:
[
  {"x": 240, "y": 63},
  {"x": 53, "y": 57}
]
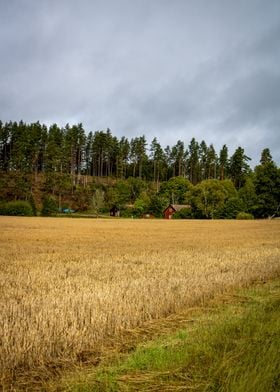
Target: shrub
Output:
[
  {"x": 16, "y": 208},
  {"x": 232, "y": 207},
  {"x": 2, "y": 208},
  {"x": 127, "y": 212},
  {"x": 33, "y": 205},
  {"x": 184, "y": 213},
  {"x": 141, "y": 204},
  {"x": 49, "y": 206},
  {"x": 158, "y": 204},
  {"x": 244, "y": 216}
]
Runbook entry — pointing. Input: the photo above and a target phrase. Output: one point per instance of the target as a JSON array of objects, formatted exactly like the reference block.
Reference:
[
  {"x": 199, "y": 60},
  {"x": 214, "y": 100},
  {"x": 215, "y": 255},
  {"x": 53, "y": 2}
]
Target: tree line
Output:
[
  {"x": 36, "y": 148},
  {"x": 146, "y": 177}
]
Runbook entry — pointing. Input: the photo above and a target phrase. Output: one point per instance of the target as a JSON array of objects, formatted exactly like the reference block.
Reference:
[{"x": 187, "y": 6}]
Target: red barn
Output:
[{"x": 172, "y": 208}]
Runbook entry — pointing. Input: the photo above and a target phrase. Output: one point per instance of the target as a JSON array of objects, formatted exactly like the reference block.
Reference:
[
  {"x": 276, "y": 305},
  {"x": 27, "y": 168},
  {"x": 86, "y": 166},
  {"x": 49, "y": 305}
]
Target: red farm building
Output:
[{"x": 172, "y": 208}]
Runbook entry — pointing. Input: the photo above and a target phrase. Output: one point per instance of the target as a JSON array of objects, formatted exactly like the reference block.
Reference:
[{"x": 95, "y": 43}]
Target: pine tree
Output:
[
  {"x": 54, "y": 160},
  {"x": 122, "y": 157},
  {"x": 193, "y": 162},
  {"x": 157, "y": 157},
  {"x": 239, "y": 167},
  {"x": 223, "y": 162},
  {"x": 267, "y": 184},
  {"x": 265, "y": 156},
  {"x": 180, "y": 154},
  {"x": 211, "y": 162},
  {"x": 89, "y": 154},
  {"x": 138, "y": 154},
  {"x": 5, "y": 146},
  {"x": 202, "y": 153}
]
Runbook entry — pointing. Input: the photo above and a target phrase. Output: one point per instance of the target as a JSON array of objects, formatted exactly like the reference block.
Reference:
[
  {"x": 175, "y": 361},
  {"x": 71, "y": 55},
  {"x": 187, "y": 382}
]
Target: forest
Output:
[{"x": 51, "y": 170}]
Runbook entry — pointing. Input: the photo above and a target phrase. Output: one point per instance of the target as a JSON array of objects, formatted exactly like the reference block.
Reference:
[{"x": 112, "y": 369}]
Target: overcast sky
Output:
[{"x": 171, "y": 69}]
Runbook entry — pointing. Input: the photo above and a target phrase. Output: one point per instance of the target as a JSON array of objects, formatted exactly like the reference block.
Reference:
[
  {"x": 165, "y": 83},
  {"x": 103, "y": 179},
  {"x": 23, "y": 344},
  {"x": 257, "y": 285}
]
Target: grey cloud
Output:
[{"x": 168, "y": 69}]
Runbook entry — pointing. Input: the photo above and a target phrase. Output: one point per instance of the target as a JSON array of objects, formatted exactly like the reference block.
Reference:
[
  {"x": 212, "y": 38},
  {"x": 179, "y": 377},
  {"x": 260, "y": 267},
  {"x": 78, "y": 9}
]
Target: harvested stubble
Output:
[{"x": 67, "y": 286}]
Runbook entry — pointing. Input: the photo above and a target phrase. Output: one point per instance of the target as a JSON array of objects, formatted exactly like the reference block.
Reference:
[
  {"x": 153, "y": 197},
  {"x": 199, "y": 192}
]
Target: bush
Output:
[
  {"x": 16, "y": 208},
  {"x": 49, "y": 207},
  {"x": 157, "y": 205},
  {"x": 128, "y": 212},
  {"x": 33, "y": 205},
  {"x": 184, "y": 213},
  {"x": 232, "y": 207},
  {"x": 244, "y": 216}
]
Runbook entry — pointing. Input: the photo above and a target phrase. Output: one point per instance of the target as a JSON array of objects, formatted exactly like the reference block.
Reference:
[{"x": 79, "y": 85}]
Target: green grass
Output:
[{"x": 232, "y": 347}]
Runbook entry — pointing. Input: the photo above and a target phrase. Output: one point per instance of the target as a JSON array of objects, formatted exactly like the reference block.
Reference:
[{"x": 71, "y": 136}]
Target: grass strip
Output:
[{"x": 231, "y": 347}]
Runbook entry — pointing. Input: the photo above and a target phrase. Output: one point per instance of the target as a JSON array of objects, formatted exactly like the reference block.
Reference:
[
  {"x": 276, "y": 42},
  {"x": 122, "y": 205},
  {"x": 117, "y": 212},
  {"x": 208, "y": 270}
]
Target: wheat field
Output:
[{"x": 69, "y": 285}]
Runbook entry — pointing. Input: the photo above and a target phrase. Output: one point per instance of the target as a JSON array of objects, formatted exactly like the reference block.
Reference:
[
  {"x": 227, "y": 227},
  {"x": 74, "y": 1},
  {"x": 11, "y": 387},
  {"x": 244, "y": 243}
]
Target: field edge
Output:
[{"x": 156, "y": 356}]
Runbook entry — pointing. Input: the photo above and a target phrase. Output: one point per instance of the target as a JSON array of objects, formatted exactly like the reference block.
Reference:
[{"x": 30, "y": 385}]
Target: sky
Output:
[{"x": 170, "y": 69}]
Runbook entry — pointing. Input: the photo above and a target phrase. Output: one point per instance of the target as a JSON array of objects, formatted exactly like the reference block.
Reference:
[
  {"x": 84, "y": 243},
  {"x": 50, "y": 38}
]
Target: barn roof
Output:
[{"x": 178, "y": 207}]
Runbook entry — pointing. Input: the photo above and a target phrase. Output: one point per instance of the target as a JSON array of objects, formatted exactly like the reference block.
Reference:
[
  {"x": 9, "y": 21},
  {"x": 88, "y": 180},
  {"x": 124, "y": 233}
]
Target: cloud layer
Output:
[{"x": 171, "y": 69}]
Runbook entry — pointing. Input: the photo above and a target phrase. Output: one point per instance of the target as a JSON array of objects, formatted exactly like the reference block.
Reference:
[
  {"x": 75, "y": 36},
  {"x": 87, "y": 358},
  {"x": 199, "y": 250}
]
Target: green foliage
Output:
[
  {"x": 184, "y": 213},
  {"x": 49, "y": 206},
  {"x": 239, "y": 167},
  {"x": 80, "y": 199},
  {"x": 267, "y": 185},
  {"x": 22, "y": 186},
  {"x": 229, "y": 188},
  {"x": 55, "y": 149},
  {"x": 32, "y": 204},
  {"x": 175, "y": 189},
  {"x": 244, "y": 216},
  {"x": 157, "y": 204},
  {"x": 266, "y": 157},
  {"x": 248, "y": 196},
  {"x": 97, "y": 202},
  {"x": 64, "y": 159},
  {"x": 231, "y": 208},
  {"x": 16, "y": 208},
  {"x": 157, "y": 158},
  {"x": 141, "y": 204},
  {"x": 123, "y": 193},
  {"x": 128, "y": 212},
  {"x": 224, "y": 163},
  {"x": 207, "y": 198},
  {"x": 232, "y": 203},
  {"x": 58, "y": 183},
  {"x": 136, "y": 187},
  {"x": 118, "y": 195},
  {"x": 193, "y": 161}
]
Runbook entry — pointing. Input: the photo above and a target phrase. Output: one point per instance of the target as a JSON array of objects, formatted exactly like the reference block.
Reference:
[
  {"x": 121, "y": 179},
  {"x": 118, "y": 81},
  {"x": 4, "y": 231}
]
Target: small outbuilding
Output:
[
  {"x": 148, "y": 216},
  {"x": 114, "y": 211},
  {"x": 172, "y": 208}
]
